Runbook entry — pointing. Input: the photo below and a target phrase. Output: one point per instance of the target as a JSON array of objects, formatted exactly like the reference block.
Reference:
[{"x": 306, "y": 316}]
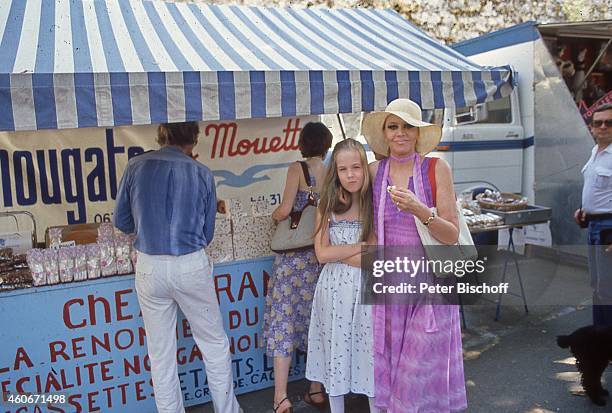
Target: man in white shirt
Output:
[{"x": 596, "y": 214}]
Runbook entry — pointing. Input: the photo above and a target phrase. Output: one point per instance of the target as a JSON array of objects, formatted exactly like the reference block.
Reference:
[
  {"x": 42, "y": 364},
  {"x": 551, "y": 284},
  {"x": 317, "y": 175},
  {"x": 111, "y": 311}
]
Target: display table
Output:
[
  {"x": 510, "y": 248},
  {"x": 86, "y": 340}
]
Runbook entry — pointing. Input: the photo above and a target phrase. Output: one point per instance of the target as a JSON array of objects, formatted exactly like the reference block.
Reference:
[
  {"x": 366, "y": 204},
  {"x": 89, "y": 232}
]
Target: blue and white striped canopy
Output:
[{"x": 83, "y": 63}]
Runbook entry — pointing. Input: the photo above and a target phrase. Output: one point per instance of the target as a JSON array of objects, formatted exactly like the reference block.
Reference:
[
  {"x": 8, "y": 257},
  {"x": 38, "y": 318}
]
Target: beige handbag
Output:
[
  {"x": 296, "y": 232},
  {"x": 463, "y": 250}
]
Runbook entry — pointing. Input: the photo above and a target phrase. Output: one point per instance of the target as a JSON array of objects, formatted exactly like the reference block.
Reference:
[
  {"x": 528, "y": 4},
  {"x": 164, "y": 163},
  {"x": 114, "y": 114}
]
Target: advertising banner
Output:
[{"x": 72, "y": 176}]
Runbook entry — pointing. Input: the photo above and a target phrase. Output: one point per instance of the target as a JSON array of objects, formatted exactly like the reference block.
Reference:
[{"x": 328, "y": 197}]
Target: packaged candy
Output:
[
  {"x": 93, "y": 261},
  {"x": 50, "y": 262},
  {"x": 122, "y": 254},
  {"x": 55, "y": 237},
  {"x": 35, "y": 262},
  {"x": 105, "y": 232},
  {"x": 79, "y": 254},
  {"x": 66, "y": 264},
  {"x": 108, "y": 263}
]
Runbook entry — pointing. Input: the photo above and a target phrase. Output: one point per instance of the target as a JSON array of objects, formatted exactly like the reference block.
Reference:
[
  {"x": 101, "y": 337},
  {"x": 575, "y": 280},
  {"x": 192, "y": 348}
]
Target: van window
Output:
[{"x": 497, "y": 111}]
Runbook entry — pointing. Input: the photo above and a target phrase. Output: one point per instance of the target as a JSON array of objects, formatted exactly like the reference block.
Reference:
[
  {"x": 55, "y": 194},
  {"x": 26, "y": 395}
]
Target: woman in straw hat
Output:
[{"x": 418, "y": 363}]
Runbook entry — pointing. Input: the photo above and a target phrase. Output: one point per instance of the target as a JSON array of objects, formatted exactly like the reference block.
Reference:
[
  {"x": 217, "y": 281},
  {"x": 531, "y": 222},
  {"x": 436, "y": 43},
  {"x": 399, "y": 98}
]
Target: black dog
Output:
[{"x": 592, "y": 348}]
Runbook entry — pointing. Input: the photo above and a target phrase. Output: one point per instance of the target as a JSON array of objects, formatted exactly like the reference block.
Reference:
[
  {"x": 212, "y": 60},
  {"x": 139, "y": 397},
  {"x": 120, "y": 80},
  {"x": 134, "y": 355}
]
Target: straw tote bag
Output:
[
  {"x": 463, "y": 250},
  {"x": 296, "y": 232}
]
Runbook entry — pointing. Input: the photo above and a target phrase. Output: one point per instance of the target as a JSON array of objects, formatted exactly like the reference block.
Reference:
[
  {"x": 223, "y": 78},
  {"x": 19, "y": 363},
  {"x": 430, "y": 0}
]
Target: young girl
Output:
[{"x": 340, "y": 336}]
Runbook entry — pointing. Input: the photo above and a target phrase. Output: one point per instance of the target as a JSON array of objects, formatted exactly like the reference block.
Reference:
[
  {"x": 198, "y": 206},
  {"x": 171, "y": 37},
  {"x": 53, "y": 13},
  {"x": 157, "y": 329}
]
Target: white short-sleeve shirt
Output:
[{"x": 597, "y": 189}]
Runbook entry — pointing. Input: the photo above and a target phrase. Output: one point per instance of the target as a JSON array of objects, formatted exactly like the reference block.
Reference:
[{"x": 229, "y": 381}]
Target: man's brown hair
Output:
[{"x": 178, "y": 134}]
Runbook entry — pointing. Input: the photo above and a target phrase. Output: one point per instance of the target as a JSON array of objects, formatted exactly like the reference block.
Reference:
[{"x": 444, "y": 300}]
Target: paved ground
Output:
[{"x": 512, "y": 365}]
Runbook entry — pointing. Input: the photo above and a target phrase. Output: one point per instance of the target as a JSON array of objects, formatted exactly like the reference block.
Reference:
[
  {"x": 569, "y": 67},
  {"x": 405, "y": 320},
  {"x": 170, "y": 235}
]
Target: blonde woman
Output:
[{"x": 418, "y": 361}]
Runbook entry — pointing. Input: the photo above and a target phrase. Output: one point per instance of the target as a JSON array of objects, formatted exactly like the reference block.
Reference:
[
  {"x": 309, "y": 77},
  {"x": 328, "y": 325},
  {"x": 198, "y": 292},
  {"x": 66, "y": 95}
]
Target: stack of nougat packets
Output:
[{"x": 242, "y": 233}]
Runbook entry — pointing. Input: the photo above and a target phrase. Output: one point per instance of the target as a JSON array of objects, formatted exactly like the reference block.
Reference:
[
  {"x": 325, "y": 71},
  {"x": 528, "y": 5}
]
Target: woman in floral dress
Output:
[{"x": 294, "y": 276}]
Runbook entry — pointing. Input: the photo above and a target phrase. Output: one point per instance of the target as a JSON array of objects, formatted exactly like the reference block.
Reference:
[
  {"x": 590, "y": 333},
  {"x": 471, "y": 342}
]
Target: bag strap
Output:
[
  {"x": 311, "y": 198},
  {"x": 431, "y": 173},
  {"x": 306, "y": 174}
]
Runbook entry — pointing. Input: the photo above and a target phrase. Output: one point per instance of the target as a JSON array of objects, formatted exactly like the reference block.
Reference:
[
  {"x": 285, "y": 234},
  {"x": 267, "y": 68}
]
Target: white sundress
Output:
[{"x": 340, "y": 335}]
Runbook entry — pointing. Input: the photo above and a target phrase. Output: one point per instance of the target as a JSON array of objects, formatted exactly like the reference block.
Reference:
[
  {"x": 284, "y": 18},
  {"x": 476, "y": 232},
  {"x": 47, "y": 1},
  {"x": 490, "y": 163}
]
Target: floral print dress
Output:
[{"x": 290, "y": 292}]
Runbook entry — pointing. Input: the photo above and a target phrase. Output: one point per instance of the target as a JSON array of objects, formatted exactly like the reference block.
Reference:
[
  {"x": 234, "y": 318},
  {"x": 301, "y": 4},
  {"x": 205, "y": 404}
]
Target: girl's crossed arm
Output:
[{"x": 355, "y": 260}]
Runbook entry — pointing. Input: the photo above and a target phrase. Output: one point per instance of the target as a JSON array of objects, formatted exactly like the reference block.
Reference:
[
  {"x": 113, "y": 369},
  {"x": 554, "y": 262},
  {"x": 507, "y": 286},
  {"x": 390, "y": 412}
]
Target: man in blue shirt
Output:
[{"x": 168, "y": 200}]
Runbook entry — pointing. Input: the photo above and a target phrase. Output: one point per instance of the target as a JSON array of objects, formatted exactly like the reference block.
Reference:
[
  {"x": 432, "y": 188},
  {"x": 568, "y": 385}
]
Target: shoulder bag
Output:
[
  {"x": 463, "y": 250},
  {"x": 296, "y": 232}
]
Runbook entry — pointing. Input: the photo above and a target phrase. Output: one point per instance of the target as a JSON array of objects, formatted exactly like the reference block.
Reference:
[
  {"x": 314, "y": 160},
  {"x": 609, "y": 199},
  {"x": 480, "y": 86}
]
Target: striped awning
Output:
[{"x": 84, "y": 63}]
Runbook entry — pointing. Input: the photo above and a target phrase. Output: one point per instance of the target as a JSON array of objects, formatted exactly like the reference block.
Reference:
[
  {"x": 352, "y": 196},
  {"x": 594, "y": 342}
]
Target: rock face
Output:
[{"x": 452, "y": 21}]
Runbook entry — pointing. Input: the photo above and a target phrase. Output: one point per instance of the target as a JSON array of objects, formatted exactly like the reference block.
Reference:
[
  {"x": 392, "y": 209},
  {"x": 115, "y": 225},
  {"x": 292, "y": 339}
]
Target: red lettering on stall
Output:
[
  {"x": 122, "y": 387},
  {"x": 91, "y": 401},
  {"x": 22, "y": 357},
  {"x": 52, "y": 385},
  {"x": 126, "y": 332},
  {"x": 186, "y": 328},
  {"x": 105, "y": 370},
  {"x": 247, "y": 283},
  {"x": 77, "y": 349},
  {"x": 104, "y": 343},
  {"x": 90, "y": 370},
  {"x": 109, "y": 400},
  {"x": 92, "y": 301},
  {"x": 224, "y": 140},
  {"x": 4, "y": 384},
  {"x": 67, "y": 320},
  {"x": 195, "y": 354},
  {"x": 266, "y": 280},
  {"x": 255, "y": 319},
  {"x": 227, "y": 288},
  {"x": 19, "y": 384},
  {"x": 119, "y": 304},
  {"x": 73, "y": 401},
  {"x": 55, "y": 352},
  {"x": 140, "y": 391},
  {"x": 234, "y": 319}
]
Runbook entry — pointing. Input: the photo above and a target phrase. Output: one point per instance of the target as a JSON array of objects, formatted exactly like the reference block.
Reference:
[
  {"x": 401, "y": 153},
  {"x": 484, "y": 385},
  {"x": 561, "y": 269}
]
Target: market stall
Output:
[{"x": 76, "y": 81}]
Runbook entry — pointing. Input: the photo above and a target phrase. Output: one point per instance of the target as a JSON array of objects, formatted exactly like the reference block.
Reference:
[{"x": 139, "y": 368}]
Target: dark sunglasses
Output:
[{"x": 599, "y": 123}]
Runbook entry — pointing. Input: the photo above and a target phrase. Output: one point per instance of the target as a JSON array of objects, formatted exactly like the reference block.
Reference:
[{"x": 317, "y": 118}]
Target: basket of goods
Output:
[{"x": 501, "y": 201}]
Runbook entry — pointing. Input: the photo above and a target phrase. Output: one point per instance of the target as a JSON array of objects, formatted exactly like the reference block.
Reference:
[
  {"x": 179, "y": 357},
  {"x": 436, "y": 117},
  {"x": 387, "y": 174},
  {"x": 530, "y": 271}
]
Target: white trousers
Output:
[{"x": 162, "y": 283}]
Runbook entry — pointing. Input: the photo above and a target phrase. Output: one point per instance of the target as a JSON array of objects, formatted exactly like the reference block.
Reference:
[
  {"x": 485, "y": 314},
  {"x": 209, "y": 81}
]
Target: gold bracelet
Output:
[{"x": 430, "y": 219}]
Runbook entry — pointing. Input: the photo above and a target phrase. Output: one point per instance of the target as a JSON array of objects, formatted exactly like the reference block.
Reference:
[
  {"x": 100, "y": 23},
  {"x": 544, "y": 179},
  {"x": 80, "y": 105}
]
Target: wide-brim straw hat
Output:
[{"x": 372, "y": 127}]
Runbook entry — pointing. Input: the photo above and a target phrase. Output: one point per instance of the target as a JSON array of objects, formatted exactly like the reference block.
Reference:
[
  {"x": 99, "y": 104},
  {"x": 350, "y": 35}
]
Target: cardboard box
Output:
[{"x": 79, "y": 233}]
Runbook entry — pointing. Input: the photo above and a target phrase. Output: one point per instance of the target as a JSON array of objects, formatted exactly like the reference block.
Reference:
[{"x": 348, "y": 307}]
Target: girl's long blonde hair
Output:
[{"x": 333, "y": 194}]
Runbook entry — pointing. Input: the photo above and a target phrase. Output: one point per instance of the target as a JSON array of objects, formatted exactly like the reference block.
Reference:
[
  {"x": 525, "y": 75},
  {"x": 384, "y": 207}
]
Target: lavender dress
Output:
[
  {"x": 290, "y": 292},
  {"x": 418, "y": 361}
]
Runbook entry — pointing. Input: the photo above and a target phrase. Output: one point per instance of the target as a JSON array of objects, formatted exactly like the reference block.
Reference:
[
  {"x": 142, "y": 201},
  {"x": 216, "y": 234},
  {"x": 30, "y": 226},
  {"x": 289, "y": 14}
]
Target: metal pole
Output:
[{"x": 341, "y": 126}]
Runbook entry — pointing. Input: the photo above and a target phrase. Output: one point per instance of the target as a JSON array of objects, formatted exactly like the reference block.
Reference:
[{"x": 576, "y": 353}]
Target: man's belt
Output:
[{"x": 597, "y": 217}]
